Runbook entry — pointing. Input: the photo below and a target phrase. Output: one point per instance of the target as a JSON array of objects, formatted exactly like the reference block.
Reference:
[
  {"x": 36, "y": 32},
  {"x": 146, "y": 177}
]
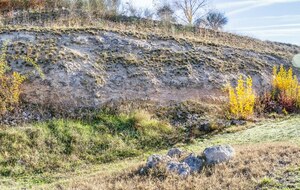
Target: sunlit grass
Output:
[{"x": 284, "y": 131}]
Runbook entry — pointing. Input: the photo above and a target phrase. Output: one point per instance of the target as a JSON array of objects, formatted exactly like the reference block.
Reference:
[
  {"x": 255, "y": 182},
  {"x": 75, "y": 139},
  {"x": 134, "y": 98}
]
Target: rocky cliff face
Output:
[{"x": 90, "y": 67}]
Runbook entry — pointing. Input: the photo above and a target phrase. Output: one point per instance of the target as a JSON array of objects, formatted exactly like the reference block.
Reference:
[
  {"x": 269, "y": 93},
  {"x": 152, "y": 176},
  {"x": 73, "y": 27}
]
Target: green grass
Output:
[
  {"x": 266, "y": 181},
  {"x": 287, "y": 130},
  {"x": 64, "y": 145},
  {"x": 274, "y": 131},
  {"x": 57, "y": 151}
]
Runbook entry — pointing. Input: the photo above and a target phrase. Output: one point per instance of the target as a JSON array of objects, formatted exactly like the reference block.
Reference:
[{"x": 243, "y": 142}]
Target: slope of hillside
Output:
[
  {"x": 273, "y": 147},
  {"x": 143, "y": 89},
  {"x": 86, "y": 67},
  {"x": 265, "y": 153}
]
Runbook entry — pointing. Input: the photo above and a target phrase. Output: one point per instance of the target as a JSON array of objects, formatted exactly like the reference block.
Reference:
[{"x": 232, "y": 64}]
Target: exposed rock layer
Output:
[{"x": 92, "y": 67}]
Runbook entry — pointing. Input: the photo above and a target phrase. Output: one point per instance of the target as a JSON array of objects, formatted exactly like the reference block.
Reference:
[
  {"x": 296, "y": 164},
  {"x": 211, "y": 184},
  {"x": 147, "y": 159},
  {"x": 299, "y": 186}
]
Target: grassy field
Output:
[
  {"x": 272, "y": 131},
  {"x": 252, "y": 166},
  {"x": 259, "y": 150},
  {"x": 41, "y": 153},
  {"x": 266, "y": 153}
]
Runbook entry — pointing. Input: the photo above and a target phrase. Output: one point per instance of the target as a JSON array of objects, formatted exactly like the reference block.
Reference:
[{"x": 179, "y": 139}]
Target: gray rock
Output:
[
  {"x": 156, "y": 159},
  {"x": 194, "y": 163},
  {"x": 238, "y": 122},
  {"x": 172, "y": 166},
  {"x": 181, "y": 169},
  {"x": 221, "y": 123},
  {"x": 175, "y": 153},
  {"x": 205, "y": 126},
  {"x": 218, "y": 154}
]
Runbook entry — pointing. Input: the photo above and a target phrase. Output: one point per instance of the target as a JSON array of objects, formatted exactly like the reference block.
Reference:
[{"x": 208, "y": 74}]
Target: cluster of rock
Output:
[{"x": 176, "y": 162}]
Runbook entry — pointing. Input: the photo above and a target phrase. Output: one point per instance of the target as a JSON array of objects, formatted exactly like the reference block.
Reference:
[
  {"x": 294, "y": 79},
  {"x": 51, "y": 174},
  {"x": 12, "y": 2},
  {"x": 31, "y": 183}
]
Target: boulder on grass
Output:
[
  {"x": 156, "y": 159},
  {"x": 218, "y": 154},
  {"x": 194, "y": 163},
  {"x": 182, "y": 169}
]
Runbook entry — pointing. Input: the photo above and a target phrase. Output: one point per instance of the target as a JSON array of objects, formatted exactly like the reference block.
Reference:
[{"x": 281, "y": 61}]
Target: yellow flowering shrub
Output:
[
  {"x": 286, "y": 89},
  {"x": 283, "y": 80},
  {"x": 10, "y": 91},
  {"x": 10, "y": 83},
  {"x": 242, "y": 98}
]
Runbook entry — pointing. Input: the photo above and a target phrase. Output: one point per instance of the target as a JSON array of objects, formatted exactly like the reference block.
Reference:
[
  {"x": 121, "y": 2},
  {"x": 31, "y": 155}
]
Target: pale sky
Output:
[{"x": 275, "y": 20}]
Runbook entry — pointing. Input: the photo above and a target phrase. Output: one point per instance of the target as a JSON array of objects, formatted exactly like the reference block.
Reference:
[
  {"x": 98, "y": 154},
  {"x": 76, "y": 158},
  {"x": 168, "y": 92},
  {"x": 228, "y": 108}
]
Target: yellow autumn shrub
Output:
[
  {"x": 284, "y": 80},
  {"x": 10, "y": 84},
  {"x": 286, "y": 88},
  {"x": 242, "y": 98}
]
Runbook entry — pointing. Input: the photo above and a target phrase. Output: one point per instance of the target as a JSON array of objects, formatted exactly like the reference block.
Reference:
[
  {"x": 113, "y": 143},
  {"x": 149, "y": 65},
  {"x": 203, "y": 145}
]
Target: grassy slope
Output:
[
  {"x": 250, "y": 169},
  {"x": 286, "y": 131},
  {"x": 35, "y": 153},
  {"x": 279, "y": 131}
]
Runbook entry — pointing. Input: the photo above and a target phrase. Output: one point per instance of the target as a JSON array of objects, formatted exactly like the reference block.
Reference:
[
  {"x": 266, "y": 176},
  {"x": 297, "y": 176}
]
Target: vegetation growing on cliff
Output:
[
  {"x": 286, "y": 88},
  {"x": 10, "y": 83},
  {"x": 284, "y": 96},
  {"x": 242, "y": 98}
]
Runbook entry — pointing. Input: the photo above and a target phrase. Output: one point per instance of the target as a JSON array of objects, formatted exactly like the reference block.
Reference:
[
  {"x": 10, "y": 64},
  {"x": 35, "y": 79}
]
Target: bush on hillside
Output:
[
  {"x": 285, "y": 94},
  {"x": 10, "y": 83},
  {"x": 286, "y": 88},
  {"x": 242, "y": 98}
]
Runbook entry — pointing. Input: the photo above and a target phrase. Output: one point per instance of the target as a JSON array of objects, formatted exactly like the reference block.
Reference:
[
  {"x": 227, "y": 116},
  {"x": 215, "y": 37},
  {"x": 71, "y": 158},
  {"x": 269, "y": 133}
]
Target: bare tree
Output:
[
  {"x": 113, "y": 6},
  {"x": 166, "y": 13},
  {"x": 148, "y": 14},
  {"x": 190, "y": 9},
  {"x": 214, "y": 20},
  {"x": 131, "y": 10}
]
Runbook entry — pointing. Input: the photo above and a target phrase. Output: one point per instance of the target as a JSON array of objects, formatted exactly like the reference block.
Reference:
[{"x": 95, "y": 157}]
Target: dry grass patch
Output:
[{"x": 245, "y": 171}]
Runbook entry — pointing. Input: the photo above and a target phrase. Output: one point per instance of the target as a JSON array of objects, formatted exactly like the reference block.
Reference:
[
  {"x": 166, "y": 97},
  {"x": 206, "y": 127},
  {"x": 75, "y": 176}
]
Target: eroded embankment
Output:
[{"x": 89, "y": 67}]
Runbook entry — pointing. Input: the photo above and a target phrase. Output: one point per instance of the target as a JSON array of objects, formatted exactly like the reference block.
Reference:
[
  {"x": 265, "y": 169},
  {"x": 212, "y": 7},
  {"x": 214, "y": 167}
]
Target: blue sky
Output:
[{"x": 275, "y": 20}]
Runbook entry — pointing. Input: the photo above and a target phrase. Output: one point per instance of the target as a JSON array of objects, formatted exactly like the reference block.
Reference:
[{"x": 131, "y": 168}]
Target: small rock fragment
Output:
[{"x": 175, "y": 153}]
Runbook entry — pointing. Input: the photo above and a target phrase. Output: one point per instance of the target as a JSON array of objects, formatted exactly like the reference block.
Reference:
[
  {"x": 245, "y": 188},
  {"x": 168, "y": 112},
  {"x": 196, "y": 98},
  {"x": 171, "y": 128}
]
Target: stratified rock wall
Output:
[{"x": 89, "y": 68}]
